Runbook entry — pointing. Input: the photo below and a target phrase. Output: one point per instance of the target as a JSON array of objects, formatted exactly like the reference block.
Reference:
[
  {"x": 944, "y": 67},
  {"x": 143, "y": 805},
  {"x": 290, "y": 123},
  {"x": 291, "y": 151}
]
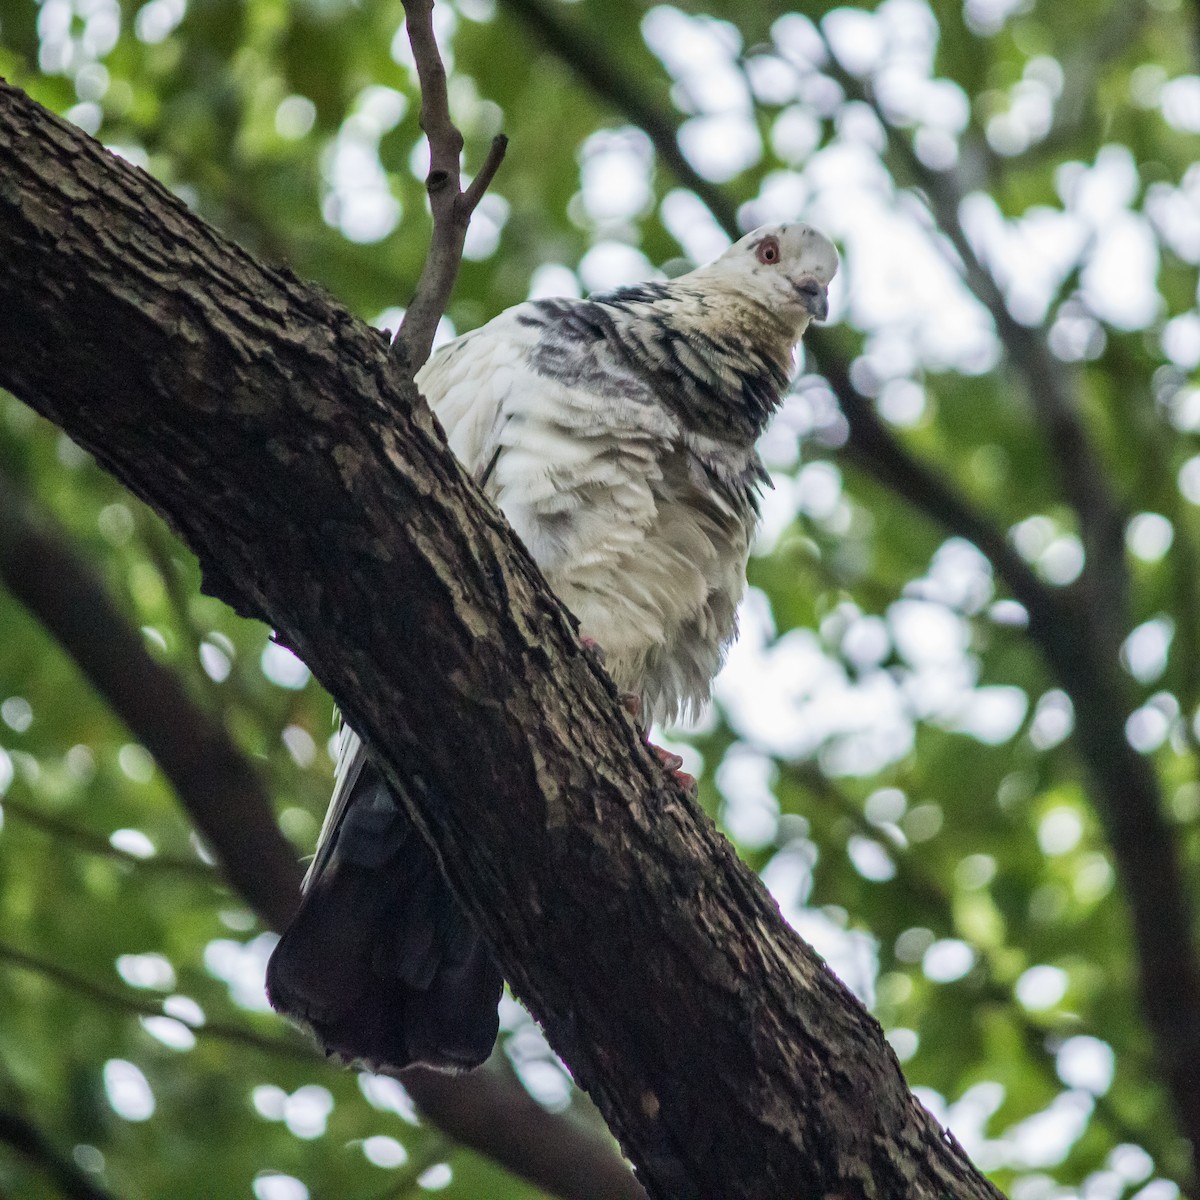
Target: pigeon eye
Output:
[{"x": 768, "y": 251}]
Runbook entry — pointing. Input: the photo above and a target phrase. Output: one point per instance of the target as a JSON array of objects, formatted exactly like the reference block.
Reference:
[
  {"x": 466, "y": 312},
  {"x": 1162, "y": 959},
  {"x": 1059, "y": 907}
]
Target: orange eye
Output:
[{"x": 768, "y": 251}]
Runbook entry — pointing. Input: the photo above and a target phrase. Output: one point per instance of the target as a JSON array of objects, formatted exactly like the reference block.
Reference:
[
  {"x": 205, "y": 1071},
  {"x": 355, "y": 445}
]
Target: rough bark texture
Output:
[{"x": 263, "y": 422}]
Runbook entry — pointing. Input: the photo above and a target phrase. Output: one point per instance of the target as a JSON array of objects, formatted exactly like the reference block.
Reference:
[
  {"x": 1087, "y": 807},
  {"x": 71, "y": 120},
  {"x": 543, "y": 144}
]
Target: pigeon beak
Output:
[{"x": 814, "y": 296}]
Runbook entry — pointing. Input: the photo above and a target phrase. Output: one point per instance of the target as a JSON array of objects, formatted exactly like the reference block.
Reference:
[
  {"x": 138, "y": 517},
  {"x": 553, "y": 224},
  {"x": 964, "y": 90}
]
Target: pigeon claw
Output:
[
  {"x": 671, "y": 764},
  {"x": 594, "y": 646},
  {"x": 631, "y": 702}
]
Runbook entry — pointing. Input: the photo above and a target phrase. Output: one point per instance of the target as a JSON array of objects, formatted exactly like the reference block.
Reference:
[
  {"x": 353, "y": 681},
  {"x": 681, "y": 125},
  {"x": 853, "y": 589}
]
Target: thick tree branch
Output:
[
  {"x": 268, "y": 426},
  {"x": 1080, "y": 649},
  {"x": 488, "y": 1111},
  {"x": 450, "y": 205}
]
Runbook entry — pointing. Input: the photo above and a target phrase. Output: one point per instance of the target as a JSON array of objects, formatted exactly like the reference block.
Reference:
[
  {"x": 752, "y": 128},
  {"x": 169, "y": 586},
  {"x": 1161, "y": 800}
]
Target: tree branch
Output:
[
  {"x": 219, "y": 788},
  {"x": 268, "y": 426},
  {"x": 129, "y": 1003},
  {"x": 29, "y": 1141},
  {"x": 922, "y": 887},
  {"x": 451, "y": 207},
  {"x": 1048, "y": 382},
  {"x": 488, "y": 1111},
  {"x": 1113, "y": 33},
  {"x": 573, "y": 1160},
  {"x": 1124, "y": 787},
  {"x": 97, "y": 843},
  {"x": 1080, "y": 633}
]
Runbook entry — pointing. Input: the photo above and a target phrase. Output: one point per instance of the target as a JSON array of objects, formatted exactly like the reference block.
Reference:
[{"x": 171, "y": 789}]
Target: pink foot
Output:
[
  {"x": 672, "y": 764},
  {"x": 594, "y": 646},
  {"x": 632, "y": 703}
]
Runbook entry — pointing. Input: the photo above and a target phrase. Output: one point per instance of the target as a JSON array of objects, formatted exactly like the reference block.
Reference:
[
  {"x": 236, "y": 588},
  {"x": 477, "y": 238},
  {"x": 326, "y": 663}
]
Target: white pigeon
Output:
[{"x": 617, "y": 435}]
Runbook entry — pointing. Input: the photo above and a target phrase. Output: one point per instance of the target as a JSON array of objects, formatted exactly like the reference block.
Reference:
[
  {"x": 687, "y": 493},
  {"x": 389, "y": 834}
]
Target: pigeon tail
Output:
[{"x": 381, "y": 962}]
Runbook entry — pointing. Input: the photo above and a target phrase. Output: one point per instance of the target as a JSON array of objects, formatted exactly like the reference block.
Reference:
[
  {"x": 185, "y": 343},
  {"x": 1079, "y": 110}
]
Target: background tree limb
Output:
[
  {"x": 489, "y": 1110},
  {"x": 20, "y": 1133},
  {"x": 220, "y": 789}
]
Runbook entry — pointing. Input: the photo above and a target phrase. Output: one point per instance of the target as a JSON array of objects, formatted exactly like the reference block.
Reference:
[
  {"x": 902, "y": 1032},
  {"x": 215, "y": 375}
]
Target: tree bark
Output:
[{"x": 264, "y": 423}]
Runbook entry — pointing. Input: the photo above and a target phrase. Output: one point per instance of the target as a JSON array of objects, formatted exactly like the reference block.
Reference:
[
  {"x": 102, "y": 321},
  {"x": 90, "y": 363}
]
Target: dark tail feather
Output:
[{"x": 380, "y": 960}]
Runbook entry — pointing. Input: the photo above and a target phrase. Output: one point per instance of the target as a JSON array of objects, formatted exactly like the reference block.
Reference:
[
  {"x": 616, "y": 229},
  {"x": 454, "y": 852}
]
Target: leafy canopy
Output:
[{"x": 890, "y": 746}]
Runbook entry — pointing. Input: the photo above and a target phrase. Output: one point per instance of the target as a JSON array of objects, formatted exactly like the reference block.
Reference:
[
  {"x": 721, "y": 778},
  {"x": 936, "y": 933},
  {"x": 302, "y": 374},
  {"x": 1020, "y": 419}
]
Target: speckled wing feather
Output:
[{"x": 640, "y": 521}]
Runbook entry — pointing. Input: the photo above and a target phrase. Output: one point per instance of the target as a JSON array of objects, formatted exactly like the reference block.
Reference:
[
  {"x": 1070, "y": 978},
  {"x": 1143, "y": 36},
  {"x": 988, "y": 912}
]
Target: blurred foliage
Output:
[{"x": 920, "y": 811}]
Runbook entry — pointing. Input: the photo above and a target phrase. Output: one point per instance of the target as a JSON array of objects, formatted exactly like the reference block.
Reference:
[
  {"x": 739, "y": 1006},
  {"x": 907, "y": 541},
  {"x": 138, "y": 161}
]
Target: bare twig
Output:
[
  {"x": 97, "y": 843},
  {"x": 136, "y": 1006},
  {"x": 451, "y": 206},
  {"x": 31, "y": 1143}
]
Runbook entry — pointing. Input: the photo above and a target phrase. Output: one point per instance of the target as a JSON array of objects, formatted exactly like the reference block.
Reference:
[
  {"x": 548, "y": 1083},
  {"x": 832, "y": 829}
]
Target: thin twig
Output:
[
  {"x": 450, "y": 205},
  {"x": 128, "y": 1003},
  {"x": 97, "y": 843}
]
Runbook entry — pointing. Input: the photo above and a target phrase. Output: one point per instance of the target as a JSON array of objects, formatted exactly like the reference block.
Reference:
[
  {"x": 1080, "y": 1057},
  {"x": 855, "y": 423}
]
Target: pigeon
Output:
[{"x": 617, "y": 435}]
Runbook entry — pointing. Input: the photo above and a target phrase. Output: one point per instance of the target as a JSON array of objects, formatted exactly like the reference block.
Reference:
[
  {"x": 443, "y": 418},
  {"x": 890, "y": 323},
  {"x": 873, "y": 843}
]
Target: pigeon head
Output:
[{"x": 786, "y": 268}]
